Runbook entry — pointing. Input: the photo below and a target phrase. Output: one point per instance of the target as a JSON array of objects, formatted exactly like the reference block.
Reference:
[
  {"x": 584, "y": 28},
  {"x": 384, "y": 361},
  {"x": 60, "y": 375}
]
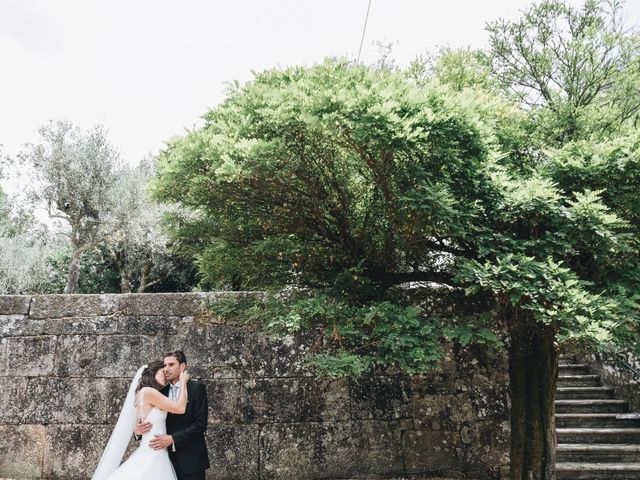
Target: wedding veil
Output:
[{"x": 114, "y": 451}]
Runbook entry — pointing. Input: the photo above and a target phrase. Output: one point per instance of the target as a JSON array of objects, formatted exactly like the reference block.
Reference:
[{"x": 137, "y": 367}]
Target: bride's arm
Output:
[{"x": 157, "y": 399}]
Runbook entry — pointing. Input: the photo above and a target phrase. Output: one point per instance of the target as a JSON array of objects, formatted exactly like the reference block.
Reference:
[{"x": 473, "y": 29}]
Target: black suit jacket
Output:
[{"x": 188, "y": 429}]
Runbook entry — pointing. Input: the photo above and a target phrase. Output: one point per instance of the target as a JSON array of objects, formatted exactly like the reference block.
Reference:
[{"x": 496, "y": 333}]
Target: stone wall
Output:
[
  {"x": 626, "y": 384},
  {"x": 67, "y": 361}
]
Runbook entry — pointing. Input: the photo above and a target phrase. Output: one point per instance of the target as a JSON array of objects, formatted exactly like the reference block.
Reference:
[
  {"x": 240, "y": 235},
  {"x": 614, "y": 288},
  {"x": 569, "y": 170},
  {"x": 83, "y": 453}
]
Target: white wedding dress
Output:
[
  {"x": 144, "y": 463},
  {"x": 147, "y": 463}
]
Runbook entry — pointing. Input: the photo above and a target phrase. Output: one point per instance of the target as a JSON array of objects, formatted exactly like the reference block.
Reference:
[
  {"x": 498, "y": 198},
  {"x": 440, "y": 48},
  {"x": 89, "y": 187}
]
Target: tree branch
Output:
[{"x": 389, "y": 279}]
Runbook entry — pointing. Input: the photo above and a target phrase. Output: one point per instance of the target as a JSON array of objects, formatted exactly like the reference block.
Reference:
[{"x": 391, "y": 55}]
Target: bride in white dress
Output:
[{"x": 144, "y": 402}]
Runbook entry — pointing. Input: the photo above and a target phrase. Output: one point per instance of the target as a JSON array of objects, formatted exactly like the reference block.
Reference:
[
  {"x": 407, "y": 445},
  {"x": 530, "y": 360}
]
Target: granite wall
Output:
[
  {"x": 626, "y": 384},
  {"x": 66, "y": 362}
]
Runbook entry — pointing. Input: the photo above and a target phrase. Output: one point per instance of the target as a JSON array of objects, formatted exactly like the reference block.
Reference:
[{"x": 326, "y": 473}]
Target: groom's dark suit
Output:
[{"x": 190, "y": 459}]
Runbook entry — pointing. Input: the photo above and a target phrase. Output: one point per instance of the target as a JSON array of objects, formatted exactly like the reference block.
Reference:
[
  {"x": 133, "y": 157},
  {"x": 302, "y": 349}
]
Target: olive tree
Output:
[
  {"x": 131, "y": 231},
  {"x": 74, "y": 174}
]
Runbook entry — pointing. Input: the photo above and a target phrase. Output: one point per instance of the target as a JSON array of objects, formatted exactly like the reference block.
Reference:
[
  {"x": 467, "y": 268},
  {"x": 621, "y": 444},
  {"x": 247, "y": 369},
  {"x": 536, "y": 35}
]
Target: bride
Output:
[{"x": 144, "y": 402}]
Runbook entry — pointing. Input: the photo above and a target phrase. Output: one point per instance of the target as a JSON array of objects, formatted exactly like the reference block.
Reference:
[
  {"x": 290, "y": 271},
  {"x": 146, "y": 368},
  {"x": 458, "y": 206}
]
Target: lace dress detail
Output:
[{"x": 145, "y": 462}]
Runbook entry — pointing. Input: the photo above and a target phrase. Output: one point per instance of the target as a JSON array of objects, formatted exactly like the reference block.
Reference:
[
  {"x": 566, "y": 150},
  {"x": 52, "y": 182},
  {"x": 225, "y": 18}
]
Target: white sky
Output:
[{"x": 148, "y": 69}]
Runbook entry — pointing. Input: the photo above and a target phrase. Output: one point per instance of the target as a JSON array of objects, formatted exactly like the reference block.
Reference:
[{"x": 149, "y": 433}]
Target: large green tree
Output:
[
  {"x": 576, "y": 71},
  {"x": 354, "y": 181}
]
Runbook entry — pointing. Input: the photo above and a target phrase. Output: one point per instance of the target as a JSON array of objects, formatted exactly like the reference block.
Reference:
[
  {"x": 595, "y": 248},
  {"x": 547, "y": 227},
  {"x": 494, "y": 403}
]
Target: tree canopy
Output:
[
  {"x": 348, "y": 176},
  {"x": 509, "y": 176}
]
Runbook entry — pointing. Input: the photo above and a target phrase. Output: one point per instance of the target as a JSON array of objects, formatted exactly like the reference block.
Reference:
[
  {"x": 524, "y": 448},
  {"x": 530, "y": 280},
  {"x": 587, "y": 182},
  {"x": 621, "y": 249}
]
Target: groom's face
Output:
[{"x": 172, "y": 369}]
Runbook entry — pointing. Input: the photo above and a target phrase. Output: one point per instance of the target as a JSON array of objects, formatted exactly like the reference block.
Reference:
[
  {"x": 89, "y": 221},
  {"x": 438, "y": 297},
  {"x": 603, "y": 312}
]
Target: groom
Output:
[{"x": 185, "y": 433}]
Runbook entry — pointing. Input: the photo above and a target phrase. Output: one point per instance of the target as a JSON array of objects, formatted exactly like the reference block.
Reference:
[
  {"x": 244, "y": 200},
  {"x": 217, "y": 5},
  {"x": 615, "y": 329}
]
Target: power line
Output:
[{"x": 364, "y": 29}]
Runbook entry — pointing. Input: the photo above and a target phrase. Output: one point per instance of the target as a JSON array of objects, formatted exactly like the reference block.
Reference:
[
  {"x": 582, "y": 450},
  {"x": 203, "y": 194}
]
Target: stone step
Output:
[
  {"x": 573, "y": 369},
  {"x": 597, "y": 420},
  {"x": 594, "y": 393},
  {"x": 597, "y": 471},
  {"x": 579, "y": 381},
  {"x": 566, "y": 355},
  {"x": 598, "y": 453},
  {"x": 598, "y": 435},
  {"x": 591, "y": 406}
]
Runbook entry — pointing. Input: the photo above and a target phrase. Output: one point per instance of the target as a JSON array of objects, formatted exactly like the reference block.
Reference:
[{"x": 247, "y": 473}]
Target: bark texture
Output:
[{"x": 533, "y": 373}]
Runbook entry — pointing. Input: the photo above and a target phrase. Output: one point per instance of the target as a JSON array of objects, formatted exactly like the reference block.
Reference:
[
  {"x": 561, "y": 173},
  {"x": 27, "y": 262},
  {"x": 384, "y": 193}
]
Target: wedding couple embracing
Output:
[{"x": 167, "y": 413}]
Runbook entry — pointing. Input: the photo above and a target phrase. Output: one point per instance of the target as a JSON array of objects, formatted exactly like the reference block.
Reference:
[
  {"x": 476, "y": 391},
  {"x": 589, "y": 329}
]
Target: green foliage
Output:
[
  {"x": 349, "y": 181},
  {"x": 73, "y": 175},
  {"x": 577, "y": 69},
  {"x": 364, "y": 335},
  {"x": 97, "y": 273},
  {"x": 305, "y": 173},
  {"x": 458, "y": 68}
]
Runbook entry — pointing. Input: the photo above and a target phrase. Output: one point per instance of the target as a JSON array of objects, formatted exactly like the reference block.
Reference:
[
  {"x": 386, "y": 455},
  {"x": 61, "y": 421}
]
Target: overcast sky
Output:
[{"x": 148, "y": 69}]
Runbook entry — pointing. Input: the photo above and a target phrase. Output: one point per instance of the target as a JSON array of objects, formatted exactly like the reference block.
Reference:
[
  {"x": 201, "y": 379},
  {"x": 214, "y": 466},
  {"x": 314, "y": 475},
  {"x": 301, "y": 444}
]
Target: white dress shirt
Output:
[{"x": 174, "y": 393}]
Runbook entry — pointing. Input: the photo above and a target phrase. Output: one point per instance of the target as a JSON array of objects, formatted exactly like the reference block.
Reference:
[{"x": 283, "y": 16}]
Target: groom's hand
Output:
[
  {"x": 161, "y": 441},
  {"x": 142, "y": 428}
]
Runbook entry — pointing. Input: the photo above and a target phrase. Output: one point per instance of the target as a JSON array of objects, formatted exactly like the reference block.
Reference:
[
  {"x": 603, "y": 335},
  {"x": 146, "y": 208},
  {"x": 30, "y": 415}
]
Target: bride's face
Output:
[{"x": 160, "y": 378}]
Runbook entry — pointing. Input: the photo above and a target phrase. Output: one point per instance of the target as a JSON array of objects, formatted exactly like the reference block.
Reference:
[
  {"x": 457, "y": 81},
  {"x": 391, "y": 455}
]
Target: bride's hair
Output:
[{"x": 148, "y": 378}]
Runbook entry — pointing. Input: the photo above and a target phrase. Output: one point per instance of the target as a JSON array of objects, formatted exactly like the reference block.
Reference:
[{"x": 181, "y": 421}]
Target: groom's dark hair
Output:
[{"x": 179, "y": 354}]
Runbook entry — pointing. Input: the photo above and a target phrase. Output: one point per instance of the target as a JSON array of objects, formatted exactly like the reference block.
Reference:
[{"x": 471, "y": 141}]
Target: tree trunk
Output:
[
  {"x": 125, "y": 279},
  {"x": 74, "y": 273},
  {"x": 533, "y": 373},
  {"x": 125, "y": 283},
  {"x": 144, "y": 275}
]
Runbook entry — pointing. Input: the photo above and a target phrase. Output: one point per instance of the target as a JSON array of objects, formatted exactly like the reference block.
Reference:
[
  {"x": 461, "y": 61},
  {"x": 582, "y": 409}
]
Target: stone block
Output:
[
  {"x": 223, "y": 396},
  {"x": 162, "y": 304},
  {"x": 382, "y": 398},
  {"x": 233, "y": 452},
  {"x": 485, "y": 445},
  {"x": 430, "y": 451},
  {"x": 73, "y": 451},
  {"x": 13, "y": 396},
  {"x": 22, "y": 451},
  {"x": 477, "y": 450},
  {"x": 332, "y": 399},
  {"x": 441, "y": 411},
  {"x": 65, "y": 305},
  {"x": 98, "y": 325},
  {"x": 331, "y": 450},
  {"x": 58, "y": 400},
  {"x": 229, "y": 346},
  {"x": 433, "y": 383},
  {"x": 293, "y": 399},
  {"x": 20, "y": 325},
  {"x": 76, "y": 356},
  {"x": 28, "y": 356},
  {"x": 15, "y": 304},
  {"x": 450, "y": 400},
  {"x": 489, "y": 399},
  {"x": 378, "y": 447},
  {"x": 476, "y": 357},
  {"x": 190, "y": 337},
  {"x": 226, "y": 351},
  {"x": 123, "y": 355},
  {"x": 148, "y": 325},
  {"x": 116, "y": 393},
  {"x": 273, "y": 356}
]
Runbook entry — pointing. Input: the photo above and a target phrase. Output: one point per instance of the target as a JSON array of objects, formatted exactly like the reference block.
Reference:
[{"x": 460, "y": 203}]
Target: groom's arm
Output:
[
  {"x": 200, "y": 414},
  {"x": 141, "y": 429}
]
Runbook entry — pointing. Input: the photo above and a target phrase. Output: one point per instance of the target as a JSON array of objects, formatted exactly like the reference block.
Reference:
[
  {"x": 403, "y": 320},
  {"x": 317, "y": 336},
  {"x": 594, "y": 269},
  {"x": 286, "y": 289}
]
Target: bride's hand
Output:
[{"x": 184, "y": 377}]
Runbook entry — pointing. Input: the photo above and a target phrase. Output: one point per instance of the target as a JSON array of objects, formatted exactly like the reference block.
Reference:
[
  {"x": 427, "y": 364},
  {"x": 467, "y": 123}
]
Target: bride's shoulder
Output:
[
  {"x": 145, "y": 392},
  {"x": 148, "y": 391}
]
